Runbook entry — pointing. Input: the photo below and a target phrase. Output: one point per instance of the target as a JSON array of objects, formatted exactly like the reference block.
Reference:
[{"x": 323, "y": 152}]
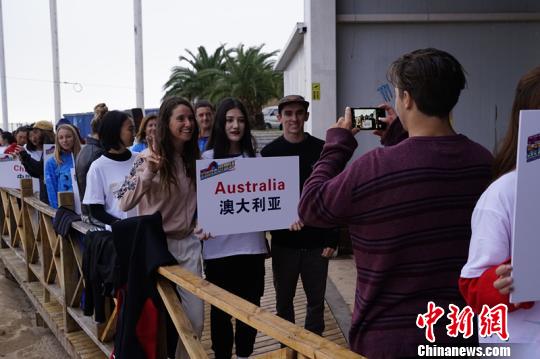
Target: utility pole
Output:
[
  {"x": 5, "y": 123},
  {"x": 55, "y": 62},
  {"x": 139, "y": 73}
]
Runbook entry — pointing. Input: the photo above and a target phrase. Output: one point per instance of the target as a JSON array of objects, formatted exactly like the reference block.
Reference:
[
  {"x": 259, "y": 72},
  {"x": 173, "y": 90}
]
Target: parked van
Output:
[{"x": 270, "y": 117}]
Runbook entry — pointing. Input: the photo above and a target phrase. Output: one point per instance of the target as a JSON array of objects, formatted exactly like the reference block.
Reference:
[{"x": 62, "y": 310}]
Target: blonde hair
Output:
[{"x": 76, "y": 143}]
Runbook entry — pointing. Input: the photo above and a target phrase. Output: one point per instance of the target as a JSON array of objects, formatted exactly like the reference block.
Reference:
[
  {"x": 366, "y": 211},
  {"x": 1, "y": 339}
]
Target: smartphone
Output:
[{"x": 368, "y": 118}]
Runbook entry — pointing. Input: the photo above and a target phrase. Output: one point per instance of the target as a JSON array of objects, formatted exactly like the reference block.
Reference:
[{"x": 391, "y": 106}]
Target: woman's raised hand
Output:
[{"x": 153, "y": 158}]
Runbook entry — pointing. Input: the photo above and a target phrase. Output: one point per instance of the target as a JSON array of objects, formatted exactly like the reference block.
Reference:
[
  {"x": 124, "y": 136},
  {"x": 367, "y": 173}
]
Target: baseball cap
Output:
[
  {"x": 43, "y": 125},
  {"x": 292, "y": 99}
]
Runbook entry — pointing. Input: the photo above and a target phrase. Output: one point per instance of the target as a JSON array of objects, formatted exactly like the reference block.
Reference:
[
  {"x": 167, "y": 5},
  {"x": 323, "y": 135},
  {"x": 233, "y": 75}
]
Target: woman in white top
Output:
[
  {"x": 233, "y": 262},
  {"x": 107, "y": 174},
  {"x": 486, "y": 277}
]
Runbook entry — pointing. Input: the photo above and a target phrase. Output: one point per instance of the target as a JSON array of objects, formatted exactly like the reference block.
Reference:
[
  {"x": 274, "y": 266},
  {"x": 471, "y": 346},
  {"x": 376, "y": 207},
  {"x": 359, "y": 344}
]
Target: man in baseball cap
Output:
[
  {"x": 300, "y": 251},
  {"x": 43, "y": 125},
  {"x": 290, "y": 99}
]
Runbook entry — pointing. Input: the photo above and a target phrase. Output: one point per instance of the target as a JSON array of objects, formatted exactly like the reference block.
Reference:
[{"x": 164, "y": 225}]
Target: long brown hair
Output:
[
  {"x": 218, "y": 138},
  {"x": 165, "y": 146},
  {"x": 527, "y": 97},
  {"x": 76, "y": 143}
]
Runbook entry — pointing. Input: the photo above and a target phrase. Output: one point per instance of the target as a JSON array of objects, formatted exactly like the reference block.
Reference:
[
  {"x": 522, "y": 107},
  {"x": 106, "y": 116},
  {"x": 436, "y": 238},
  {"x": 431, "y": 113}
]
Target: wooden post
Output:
[
  {"x": 283, "y": 353},
  {"x": 46, "y": 256},
  {"x": 28, "y": 236},
  {"x": 107, "y": 330},
  {"x": 185, "y": 331},
  {"x": 11, "y": 225},
  {"x": 69, "y": 267},
  {"x": 26, "y": 187},
  {"x": 3, "y": 220}
]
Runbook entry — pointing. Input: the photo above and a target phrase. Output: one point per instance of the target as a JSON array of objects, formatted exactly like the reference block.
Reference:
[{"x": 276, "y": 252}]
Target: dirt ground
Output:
[{"x": 19, "y": 335}]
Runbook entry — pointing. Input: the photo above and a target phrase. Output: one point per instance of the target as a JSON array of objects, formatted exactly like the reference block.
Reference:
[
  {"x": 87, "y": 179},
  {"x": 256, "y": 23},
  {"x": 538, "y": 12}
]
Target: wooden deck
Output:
[{"x": 263, "y": 343}]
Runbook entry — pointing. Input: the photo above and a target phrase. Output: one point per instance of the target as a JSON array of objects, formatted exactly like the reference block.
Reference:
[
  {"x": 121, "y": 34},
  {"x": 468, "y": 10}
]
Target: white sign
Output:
[
  {"x": 239, "y": 195},
  {"x": 526, "y": 227},
  {"x": 11, "y": 172},
  {"x": 76, "y": 195},
  {"x": 48, "y": 152}
]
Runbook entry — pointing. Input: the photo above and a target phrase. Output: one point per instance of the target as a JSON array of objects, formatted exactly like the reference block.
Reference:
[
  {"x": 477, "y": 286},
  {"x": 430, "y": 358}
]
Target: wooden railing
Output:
[{"x": 54, "y": 265}]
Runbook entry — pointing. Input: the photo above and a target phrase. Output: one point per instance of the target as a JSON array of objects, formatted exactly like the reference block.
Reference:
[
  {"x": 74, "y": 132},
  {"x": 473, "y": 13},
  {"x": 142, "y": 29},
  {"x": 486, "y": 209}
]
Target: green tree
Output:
[
  {"x": 244, "y": 73},
  {"x": 248, "y": 76},
  {"x": 190, "y": 81}
]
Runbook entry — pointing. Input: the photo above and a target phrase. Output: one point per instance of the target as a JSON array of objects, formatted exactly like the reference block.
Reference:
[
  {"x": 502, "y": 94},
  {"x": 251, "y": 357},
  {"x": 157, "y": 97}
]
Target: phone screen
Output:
[{"x": 367, "y": 118}]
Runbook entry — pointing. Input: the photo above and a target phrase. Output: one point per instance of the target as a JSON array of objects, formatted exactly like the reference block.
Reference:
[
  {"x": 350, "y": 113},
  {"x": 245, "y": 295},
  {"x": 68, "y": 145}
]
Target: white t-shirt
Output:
[
  {"x": 233, "y": 244},
  {"x": 491, "y": 244},
  {"x": 34, "y": 154},
  {"x": 104, "y": 177}
]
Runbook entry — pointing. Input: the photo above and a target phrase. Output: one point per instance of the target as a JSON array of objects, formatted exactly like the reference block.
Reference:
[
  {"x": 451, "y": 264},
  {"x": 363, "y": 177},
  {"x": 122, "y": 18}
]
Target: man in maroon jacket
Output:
[{"x": 407, "y": 206}]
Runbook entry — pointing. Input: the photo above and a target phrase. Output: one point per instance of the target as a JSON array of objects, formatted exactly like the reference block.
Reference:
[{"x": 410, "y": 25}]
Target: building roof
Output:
[{"x": 295, "y": 41}]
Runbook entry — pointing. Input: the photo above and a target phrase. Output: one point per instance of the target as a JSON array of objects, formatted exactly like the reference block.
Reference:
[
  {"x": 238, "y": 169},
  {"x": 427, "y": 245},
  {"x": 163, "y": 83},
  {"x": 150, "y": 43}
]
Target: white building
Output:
[{"x": 342, "y": 50}]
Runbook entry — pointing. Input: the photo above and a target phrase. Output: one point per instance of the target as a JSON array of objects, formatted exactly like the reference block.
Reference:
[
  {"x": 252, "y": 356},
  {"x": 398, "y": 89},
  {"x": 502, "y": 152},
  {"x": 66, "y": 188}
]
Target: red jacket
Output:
[{"x": 480, "y": 291}]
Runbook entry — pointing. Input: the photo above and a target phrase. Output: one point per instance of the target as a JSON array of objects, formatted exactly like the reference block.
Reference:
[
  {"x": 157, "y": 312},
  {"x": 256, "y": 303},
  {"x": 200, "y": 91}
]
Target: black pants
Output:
[
  {"x": 290, "y": 263},
  {"x": 242, "y": 275}
]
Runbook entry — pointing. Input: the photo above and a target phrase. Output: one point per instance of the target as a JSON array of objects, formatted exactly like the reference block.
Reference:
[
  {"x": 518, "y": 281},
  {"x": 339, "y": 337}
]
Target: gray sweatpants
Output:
[{"x": 187, "y": 252}]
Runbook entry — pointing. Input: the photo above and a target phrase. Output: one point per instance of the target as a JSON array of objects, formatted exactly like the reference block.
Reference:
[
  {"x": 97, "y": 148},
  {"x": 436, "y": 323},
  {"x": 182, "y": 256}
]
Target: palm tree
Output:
[
  {"x": 244, "y": 73},
  {"x": 187, "y": 81},
  {"x": 249, "y": 76}
]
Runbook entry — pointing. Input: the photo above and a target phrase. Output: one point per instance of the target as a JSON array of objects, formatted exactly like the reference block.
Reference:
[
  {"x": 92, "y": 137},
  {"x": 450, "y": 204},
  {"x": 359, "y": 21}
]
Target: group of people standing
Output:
[
  {"x": 407, "y": 206},
  {"x": 117, "y": 180},
  {"x": 10, "y": 141}
]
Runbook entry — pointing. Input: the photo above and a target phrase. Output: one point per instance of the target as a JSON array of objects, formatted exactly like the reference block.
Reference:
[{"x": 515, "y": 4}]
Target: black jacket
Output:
[
  {"x": 141, "y": 245},
  {"x": 89, "y": 153},
  {"x": 99, "y": 270},
  {"x": 308, "y": 152},
  {"x": 35, "y": 169}
]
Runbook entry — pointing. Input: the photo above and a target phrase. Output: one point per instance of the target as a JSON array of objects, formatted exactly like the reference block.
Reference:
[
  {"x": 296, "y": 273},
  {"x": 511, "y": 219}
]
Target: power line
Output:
[{"x": 78, "y": 87}]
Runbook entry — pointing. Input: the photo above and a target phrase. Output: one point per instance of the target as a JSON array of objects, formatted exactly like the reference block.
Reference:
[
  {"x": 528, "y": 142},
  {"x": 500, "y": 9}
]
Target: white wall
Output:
[
  {"x": 320, "y": 57},
  {"x": 294, "y": 78}
]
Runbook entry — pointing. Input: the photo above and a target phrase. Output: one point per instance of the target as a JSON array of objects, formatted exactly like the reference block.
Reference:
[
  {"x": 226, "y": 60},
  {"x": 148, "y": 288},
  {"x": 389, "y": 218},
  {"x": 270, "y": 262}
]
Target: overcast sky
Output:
[{"x": 97, "y": 46}]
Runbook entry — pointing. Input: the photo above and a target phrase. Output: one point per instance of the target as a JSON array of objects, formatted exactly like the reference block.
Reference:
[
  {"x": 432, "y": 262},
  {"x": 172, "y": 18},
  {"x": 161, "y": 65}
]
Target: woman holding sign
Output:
[
  {"x": 233, "y": 262},
  {"x": 32, "y": 156},
  {"x": 485, "y": 279},
  {"x": 58, "y": 168},
  {"x": 163, "y": 180}
]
